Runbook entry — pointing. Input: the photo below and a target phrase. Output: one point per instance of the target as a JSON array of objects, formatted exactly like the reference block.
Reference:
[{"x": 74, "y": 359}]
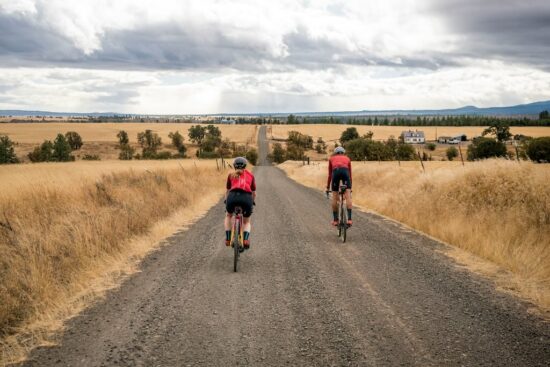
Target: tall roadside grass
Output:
[
  {"x": 498, "y": 210},
  {"x": 58, "y": 238}
]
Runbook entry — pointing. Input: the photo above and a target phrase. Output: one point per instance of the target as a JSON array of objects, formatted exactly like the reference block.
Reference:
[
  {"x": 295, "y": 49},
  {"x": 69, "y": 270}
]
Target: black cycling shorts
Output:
[
  {"x": 340, "y": 174},
  {"x": 239, "y": 198}
]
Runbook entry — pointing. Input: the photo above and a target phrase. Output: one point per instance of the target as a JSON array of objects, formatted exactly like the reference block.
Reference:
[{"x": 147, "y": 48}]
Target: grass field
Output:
[
  {"x": 68, "y": 231},
  {"x": 498, "y": 210},
  {"x": 332, "y": 133}
]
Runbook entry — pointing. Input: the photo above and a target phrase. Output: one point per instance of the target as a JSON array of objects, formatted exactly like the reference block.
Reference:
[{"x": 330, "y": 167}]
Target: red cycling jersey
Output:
[
  {"x": 338, "y": 161},
  {"x": 244, "y": 182}
]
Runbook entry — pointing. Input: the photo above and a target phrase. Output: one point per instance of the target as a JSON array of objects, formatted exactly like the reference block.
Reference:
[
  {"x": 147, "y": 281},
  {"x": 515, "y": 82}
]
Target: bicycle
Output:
[
  {"x": 237, "y": 236},
  {"x": 342, "y": 213}
]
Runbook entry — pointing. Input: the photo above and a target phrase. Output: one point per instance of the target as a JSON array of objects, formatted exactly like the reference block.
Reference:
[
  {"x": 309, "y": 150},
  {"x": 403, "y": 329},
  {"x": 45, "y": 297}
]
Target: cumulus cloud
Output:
[{"x": 207, "y": 56}]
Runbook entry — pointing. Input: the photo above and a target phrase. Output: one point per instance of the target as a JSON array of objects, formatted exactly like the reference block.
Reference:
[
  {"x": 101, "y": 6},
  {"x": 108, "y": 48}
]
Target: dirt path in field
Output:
[{"x": 388, "y": 297}]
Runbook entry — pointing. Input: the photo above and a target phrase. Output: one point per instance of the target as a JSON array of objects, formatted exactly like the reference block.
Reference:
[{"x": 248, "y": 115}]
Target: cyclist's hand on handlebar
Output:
[{"x": 254, "y": 203}]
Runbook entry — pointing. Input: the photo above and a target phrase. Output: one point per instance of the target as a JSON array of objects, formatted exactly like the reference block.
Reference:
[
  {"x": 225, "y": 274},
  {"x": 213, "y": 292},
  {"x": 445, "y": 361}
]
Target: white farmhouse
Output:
[{"x": 413, "y": 137}]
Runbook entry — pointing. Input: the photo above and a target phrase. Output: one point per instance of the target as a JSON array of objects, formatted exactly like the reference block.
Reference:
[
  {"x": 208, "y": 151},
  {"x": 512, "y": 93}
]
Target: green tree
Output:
[
  {"x": 7, "y": 152},
  {"x": 197, "y": 134},
  {"x": 291, "y": 119},
  {"x": 42, "y": 153},
  {"x": 349, "y": 134},
  {"x": 177, "y": 142},
  {"x": 538, "y": 149},
  {"x": 451, "y": 153},
  {"x": 544, "y": 115},
  {"x": 122, "y": 137},
  {"x": 482, "y": 148},
  {"x": 61, "y": 149},
  {"x": 500, "y": 129},
  {"x": 150, "y": 142},
  {"x": 74, "y": 139},
  {"x": 431, "y": 146}
]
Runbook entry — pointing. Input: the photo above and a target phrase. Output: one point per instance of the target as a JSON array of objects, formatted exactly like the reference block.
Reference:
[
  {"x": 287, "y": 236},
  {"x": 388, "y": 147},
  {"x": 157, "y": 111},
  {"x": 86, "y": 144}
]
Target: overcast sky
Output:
[{"x": 211, "y": 56}]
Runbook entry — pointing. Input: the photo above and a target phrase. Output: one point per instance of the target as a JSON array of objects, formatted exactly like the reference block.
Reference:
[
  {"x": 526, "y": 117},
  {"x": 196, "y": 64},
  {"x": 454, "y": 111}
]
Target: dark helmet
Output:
[{"x": 240, "y": 163}]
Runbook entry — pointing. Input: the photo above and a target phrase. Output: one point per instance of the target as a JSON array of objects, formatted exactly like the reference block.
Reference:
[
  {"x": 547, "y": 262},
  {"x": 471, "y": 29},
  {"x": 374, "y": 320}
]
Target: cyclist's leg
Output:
[
  {"x": 228, "y": 222},
  {"x": 335, "y": 186},
  {"x": 347, "y": 195}
]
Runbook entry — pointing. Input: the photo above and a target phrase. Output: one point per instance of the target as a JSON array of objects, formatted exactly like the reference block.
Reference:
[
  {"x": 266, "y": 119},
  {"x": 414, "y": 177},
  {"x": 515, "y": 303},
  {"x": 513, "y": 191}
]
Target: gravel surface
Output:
[{"x": 387, "y": 297}]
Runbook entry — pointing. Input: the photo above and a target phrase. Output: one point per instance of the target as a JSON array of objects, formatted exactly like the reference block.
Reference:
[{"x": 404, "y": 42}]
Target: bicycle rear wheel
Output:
[
  {"x": 340, "y": 220},
  {"x": 236, "y": 245},
  {"x": 344, "y": 224}
]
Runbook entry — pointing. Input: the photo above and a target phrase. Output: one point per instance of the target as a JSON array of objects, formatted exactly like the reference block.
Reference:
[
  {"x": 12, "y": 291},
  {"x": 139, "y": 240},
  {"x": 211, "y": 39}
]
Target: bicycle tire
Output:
[
  {"x": 236, "y": 245},
  {"x": 340, "y": 216},
  {"x": 344, "y": 225}
]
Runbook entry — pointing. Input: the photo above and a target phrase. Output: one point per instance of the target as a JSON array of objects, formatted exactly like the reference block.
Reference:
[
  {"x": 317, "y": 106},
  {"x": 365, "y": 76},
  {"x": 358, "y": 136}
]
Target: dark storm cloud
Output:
[{"x": 509, "y": 30}]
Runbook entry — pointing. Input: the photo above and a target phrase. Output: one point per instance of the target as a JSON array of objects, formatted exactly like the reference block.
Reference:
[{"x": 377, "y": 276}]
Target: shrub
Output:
[
  {"x": 163, "y": 155},
  {"x": 431, "y": 146},
  {"x": 61, "y": 149},
  {"x": 42, "y": 153},
  {"x": 451, "y": 153},
  {"x": 404, "y": 152},
  {"x": 538, "y": 149},
  {"x": 300, "y": 140},
  {"x": 74, "y": 140},
  {"x": 294, "y": 152},
  {"x": 7, "y": 152},
  {"x": 252, "y": 156},
  {"x": 88, "y": 157},
  {"x": 126, "y": 152},
  {"x": 321, "y": 146},
  {"x": 482, "y": 148},
  {"x": 278, "y": 155}
]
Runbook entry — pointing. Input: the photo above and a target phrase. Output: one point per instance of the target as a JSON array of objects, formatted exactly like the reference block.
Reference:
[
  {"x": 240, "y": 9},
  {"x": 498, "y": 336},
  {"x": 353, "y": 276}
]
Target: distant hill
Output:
[{"x": 518, "y": 110}]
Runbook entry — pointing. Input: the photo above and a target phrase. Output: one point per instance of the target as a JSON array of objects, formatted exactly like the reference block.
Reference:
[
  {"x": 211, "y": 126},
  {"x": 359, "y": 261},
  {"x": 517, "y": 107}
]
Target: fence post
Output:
[
  {"x": 420, "y": 159},
  {"x": 308, "y": 161},
  {"x": 461, "y": 156},
  {"x": 217, "y": 165}
]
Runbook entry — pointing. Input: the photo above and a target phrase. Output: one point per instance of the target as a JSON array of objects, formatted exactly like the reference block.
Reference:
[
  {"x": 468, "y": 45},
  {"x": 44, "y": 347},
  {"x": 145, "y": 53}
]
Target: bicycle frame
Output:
[{"x": 237, "y": 235}]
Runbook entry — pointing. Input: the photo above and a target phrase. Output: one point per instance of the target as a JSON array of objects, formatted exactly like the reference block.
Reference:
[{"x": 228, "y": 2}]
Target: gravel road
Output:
[{"x": 388, "y": 297}]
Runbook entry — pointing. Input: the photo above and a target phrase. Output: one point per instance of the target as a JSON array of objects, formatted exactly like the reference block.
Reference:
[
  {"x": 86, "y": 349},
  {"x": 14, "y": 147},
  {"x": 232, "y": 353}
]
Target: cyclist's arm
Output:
[
  {"x": 253, "y": 188},
  {"x": 329, "y": 174},
  {"x": 228, "y": 187},
  {"x": 349, "y": 166}
]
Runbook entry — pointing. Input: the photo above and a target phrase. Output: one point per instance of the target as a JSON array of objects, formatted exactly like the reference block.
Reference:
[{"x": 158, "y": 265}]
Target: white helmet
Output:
[{"x": 339, "y": 150}]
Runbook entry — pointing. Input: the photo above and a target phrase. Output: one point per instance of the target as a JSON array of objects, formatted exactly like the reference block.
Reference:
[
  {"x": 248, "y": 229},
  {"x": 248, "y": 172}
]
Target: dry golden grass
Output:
[
  {"x": 67, "y": 232},
  {"x": 106, "y": 132},
  {"x": 498, "y": 210},
  {"x": 332, "y": 132}
]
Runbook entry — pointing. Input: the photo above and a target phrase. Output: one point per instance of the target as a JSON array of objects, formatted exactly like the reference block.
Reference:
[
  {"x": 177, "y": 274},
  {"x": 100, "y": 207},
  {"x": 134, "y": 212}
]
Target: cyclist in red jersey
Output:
[
  {"x": 241, "y": 191},
  {"x": 339, "y": 170}
]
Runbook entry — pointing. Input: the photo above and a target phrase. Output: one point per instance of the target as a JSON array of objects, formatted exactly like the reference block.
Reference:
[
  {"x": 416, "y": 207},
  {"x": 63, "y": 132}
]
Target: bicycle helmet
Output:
[
  {"x": 239, "y": 163},
  {"x": 339, "y": 150}
]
